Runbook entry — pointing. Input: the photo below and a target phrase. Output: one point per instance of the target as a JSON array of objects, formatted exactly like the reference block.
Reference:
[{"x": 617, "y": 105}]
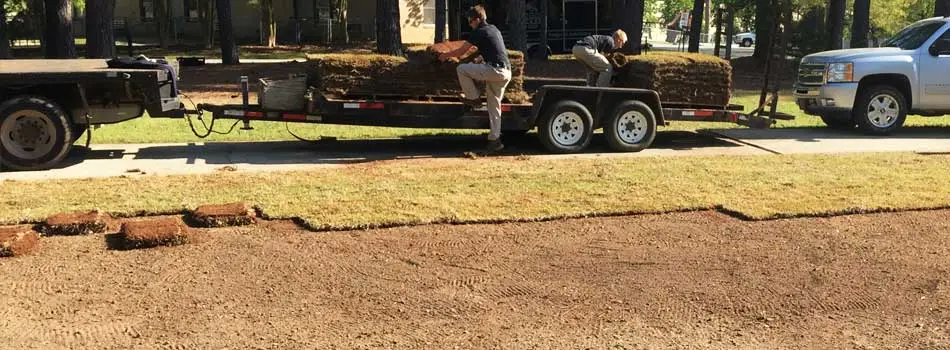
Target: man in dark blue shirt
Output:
[
  {"x": 590, "y": 51},
  {"x": 495, "y": 71}
]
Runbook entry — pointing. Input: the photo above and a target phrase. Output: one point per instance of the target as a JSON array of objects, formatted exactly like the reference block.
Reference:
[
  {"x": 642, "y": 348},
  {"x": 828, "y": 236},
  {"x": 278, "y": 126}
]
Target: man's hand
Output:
[{"x": 445, "y": 56}]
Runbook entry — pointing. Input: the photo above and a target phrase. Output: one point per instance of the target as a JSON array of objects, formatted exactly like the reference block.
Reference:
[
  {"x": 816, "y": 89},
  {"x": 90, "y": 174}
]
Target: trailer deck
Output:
[{"x": 36, "y": 71}]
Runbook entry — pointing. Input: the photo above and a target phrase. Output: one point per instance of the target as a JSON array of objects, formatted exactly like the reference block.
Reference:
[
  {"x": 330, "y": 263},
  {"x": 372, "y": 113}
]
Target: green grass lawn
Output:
[
  {"x": 461, "y": 190},
  {"x": 147, "y": 130}
]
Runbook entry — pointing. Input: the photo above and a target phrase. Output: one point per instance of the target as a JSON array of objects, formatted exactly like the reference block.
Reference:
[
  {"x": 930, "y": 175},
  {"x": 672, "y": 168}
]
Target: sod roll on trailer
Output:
[
  {"x": 683, "y": 78},
  {"x": 419, "y": 74}
]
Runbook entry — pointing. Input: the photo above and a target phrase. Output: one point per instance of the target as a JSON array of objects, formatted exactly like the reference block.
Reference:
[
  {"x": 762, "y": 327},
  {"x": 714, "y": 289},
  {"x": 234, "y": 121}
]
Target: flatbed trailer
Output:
[
  {"x": 46, "y": 104},
  {"x": 566, "y": 116}
]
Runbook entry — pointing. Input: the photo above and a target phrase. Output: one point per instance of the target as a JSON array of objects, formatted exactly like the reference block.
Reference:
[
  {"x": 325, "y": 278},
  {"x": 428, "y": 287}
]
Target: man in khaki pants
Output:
[
  {"x": 590, "y": 51},
  {"x": 495, "y": 72}
]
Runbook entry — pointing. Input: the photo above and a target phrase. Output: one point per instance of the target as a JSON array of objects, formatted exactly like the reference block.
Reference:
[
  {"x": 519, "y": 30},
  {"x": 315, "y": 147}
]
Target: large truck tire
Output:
[
  {"x": 566, "y": 127},
  {"x": 35, "y": 133},
  {"x": 631, "y": 127},
  {"x": 880, "y": 109}
]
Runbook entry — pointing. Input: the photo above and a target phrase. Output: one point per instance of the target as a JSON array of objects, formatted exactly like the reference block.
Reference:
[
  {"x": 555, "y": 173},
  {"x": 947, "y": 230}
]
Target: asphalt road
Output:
[{"x": 193, "y": 158}]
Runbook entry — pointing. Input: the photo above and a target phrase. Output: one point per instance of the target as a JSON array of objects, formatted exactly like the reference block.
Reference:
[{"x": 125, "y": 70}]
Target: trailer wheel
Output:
[
  {"x": 35, "y": 133},
  {"x": 566, "y": 127},
  {"x": 631, "y": 127}
]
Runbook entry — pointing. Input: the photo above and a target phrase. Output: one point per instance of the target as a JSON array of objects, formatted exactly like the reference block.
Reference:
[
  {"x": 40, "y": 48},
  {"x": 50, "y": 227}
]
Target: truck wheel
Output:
[
  {"x": 35, "y": 133},
  {"x": 631, "y": 127},
  {"x": 567, "y": 127},
  {"x": 841, "y": 121},
  {"x": 880, "y": 109},
  {"x": 746, "y": 42}
]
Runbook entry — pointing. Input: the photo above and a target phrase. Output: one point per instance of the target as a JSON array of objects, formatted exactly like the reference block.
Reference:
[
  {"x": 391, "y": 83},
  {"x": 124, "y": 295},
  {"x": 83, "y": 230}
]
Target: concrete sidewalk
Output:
[{"x": 198, "y": 158}]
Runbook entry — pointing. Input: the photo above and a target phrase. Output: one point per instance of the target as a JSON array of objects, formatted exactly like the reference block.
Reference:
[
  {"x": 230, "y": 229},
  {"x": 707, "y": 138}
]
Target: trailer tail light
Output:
[
  {"x": 698, "y": 113},
  {"x": 291, "y": 116},
  {"x": 506, "y": 108},
  {"x": 364, "y": 105},
  {"x": 252, "y": 114}
]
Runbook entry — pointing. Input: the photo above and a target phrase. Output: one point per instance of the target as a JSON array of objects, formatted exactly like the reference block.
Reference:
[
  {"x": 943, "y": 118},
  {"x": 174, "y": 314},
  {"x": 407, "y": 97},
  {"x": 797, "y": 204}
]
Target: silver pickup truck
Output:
[{"x": 874, "y": 89}]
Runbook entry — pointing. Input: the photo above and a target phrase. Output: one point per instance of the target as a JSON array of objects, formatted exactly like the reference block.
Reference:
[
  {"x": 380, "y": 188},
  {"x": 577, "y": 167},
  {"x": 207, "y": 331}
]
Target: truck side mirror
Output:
[{"x": 940, "y": 47}]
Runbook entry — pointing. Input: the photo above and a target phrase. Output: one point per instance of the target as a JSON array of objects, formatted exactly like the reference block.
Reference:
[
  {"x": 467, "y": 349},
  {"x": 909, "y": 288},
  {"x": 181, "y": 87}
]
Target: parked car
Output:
[
  {"x": 874, "y": 89},
  {"x": 744, "y": 39}
]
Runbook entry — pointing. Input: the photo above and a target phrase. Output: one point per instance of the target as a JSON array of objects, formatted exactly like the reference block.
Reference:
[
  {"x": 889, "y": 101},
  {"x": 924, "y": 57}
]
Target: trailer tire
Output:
[
  {"x": 35, "y": 133},
  {"x": 566, "y": 127},
  {"x": 631, "y": 127}
]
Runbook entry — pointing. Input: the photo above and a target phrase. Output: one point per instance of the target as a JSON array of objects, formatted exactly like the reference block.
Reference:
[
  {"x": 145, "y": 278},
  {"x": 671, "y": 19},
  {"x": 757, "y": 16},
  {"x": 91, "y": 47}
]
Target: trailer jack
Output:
[{"x": 244, "y": 99}]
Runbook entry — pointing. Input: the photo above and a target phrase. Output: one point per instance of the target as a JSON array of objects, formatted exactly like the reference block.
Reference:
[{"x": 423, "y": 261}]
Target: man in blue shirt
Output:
[
  {"x": 590, "y": 51},
  {"x": 495, "y": 71}
]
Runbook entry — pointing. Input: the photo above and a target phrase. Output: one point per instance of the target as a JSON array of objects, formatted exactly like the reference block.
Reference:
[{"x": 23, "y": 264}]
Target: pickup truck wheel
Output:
[
  {"x": 841, "y": 121},
  {"x": 567, "y": 127},
  {"x": 631, "y": 127},
  {"x": 35, "y": 133},
  {"x": 746, "y": 42},
  {"x": 880, "y": 109}
]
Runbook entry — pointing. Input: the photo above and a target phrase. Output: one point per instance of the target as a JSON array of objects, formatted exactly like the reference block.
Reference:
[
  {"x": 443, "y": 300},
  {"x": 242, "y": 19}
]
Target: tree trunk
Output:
[
  {"x": 696, "y": 25},
  {"x": 59, "y": 29},
  {"x": 763, "y": 27},
  {"x": 942, "y": 8},
  {"x": 4, "y": 38},
  {"x": 439, "y": 21},
  {"x": 388, "y": 32},
  {"x": 162, "y": 22},
  {"x": 100, "y": 35},
  {"x": 632, "y": 24},
  {"x": 861, "y": 24},
  {"x": 545, "y": 8},
  {"x": 454, "y": 19},
  {"x": 340, "y": 19},
  {"x": 206, "y": 16},
  {"x": 37, "y": 16},
  {"x": 707, "y": 16},
  {"x": 517, "y": 26},
  {"x": 836, "y": 13},
  {"x": 229, "y": 48},
  {"x": 268, "y": 24}
]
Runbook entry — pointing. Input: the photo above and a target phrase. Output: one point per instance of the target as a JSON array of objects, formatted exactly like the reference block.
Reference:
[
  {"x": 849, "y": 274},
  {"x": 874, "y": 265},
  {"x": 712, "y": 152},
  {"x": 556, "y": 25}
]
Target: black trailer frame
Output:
[{"x": 450, "y": 113}]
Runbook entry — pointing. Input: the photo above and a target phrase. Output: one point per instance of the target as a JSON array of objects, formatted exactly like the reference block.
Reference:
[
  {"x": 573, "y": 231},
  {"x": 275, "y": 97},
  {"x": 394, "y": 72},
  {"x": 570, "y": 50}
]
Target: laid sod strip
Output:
[
  {"x": 424, "y": 191},
  {"x": 153, "y": 233},
  {"x": 17, "y": 241},
  {"x": 222, "y": 215},
  {"x": 78, "y": 223}
]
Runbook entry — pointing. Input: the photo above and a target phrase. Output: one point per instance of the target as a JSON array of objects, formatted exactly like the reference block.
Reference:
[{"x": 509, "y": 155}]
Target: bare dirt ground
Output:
[{"x": 691, "y": 280}]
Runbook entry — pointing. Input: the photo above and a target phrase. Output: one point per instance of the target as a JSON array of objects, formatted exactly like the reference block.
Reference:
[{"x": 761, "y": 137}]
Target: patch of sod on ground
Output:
[
  {"x": 423, "y": 191},
  {"x": 153, "y": 233},
  {"x": 17, "y": 241}
]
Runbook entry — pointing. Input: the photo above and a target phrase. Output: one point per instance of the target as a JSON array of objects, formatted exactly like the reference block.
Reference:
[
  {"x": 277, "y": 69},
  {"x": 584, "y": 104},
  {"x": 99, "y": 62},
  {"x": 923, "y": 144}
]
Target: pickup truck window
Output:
[{"x": 912, "y": 37}]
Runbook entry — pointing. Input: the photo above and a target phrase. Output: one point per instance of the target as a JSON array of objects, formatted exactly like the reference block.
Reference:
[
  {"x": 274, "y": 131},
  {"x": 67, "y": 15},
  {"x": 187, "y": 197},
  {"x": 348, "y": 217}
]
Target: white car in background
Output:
[{"x": 744, "y": 39}]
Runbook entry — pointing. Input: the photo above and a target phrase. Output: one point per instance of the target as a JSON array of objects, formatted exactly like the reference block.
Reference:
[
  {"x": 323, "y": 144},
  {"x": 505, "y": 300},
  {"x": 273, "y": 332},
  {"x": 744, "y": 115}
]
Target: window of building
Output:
[
  {"x": 428, "y": 12},
  {"x": 147, "y": 8},
  {"x": 191, "y": 10}
]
